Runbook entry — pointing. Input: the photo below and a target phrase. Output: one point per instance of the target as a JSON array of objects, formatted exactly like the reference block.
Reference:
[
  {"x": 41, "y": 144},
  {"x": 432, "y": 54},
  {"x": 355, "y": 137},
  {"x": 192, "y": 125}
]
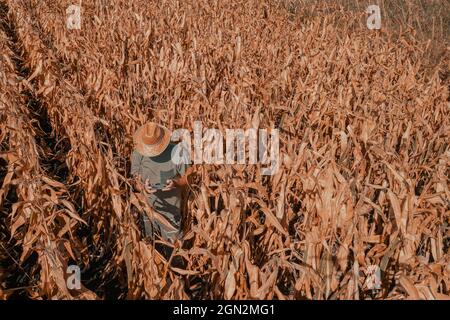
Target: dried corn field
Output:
[{"x": 364, "y": 143}]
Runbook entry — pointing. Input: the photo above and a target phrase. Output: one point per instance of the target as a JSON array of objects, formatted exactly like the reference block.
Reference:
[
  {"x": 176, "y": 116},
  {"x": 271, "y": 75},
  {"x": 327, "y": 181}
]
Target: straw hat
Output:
[{"x": 151, "y": 139}]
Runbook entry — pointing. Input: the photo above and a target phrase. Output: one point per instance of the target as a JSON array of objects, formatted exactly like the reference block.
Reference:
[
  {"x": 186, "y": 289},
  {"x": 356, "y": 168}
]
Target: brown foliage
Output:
[{"x": 364, "y": 142}]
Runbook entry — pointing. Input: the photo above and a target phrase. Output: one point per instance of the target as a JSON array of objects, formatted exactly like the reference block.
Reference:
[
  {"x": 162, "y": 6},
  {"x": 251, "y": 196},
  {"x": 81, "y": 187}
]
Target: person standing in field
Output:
[{"x": 160, "y": 179}]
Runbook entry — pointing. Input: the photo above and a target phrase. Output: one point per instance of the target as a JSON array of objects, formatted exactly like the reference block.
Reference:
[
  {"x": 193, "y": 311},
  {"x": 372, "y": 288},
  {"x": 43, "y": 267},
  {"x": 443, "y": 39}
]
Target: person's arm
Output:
[
  {"x": 136, "y": 159},
  {"x": 141, "y": 186},
  {"x": 136, "y": 181},
  {"x": 183, "y": 181},
  {"x": 183, "y": 171},
  {"x": 179, "y": 182}
]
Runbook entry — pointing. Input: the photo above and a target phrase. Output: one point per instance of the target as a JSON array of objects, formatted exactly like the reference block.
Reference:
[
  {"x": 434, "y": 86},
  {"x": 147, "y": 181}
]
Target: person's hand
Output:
[
  {"x": 170, "y": 185},
  {"x": 148, "y": 187},
  {"x": 137, "y": 183}
]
